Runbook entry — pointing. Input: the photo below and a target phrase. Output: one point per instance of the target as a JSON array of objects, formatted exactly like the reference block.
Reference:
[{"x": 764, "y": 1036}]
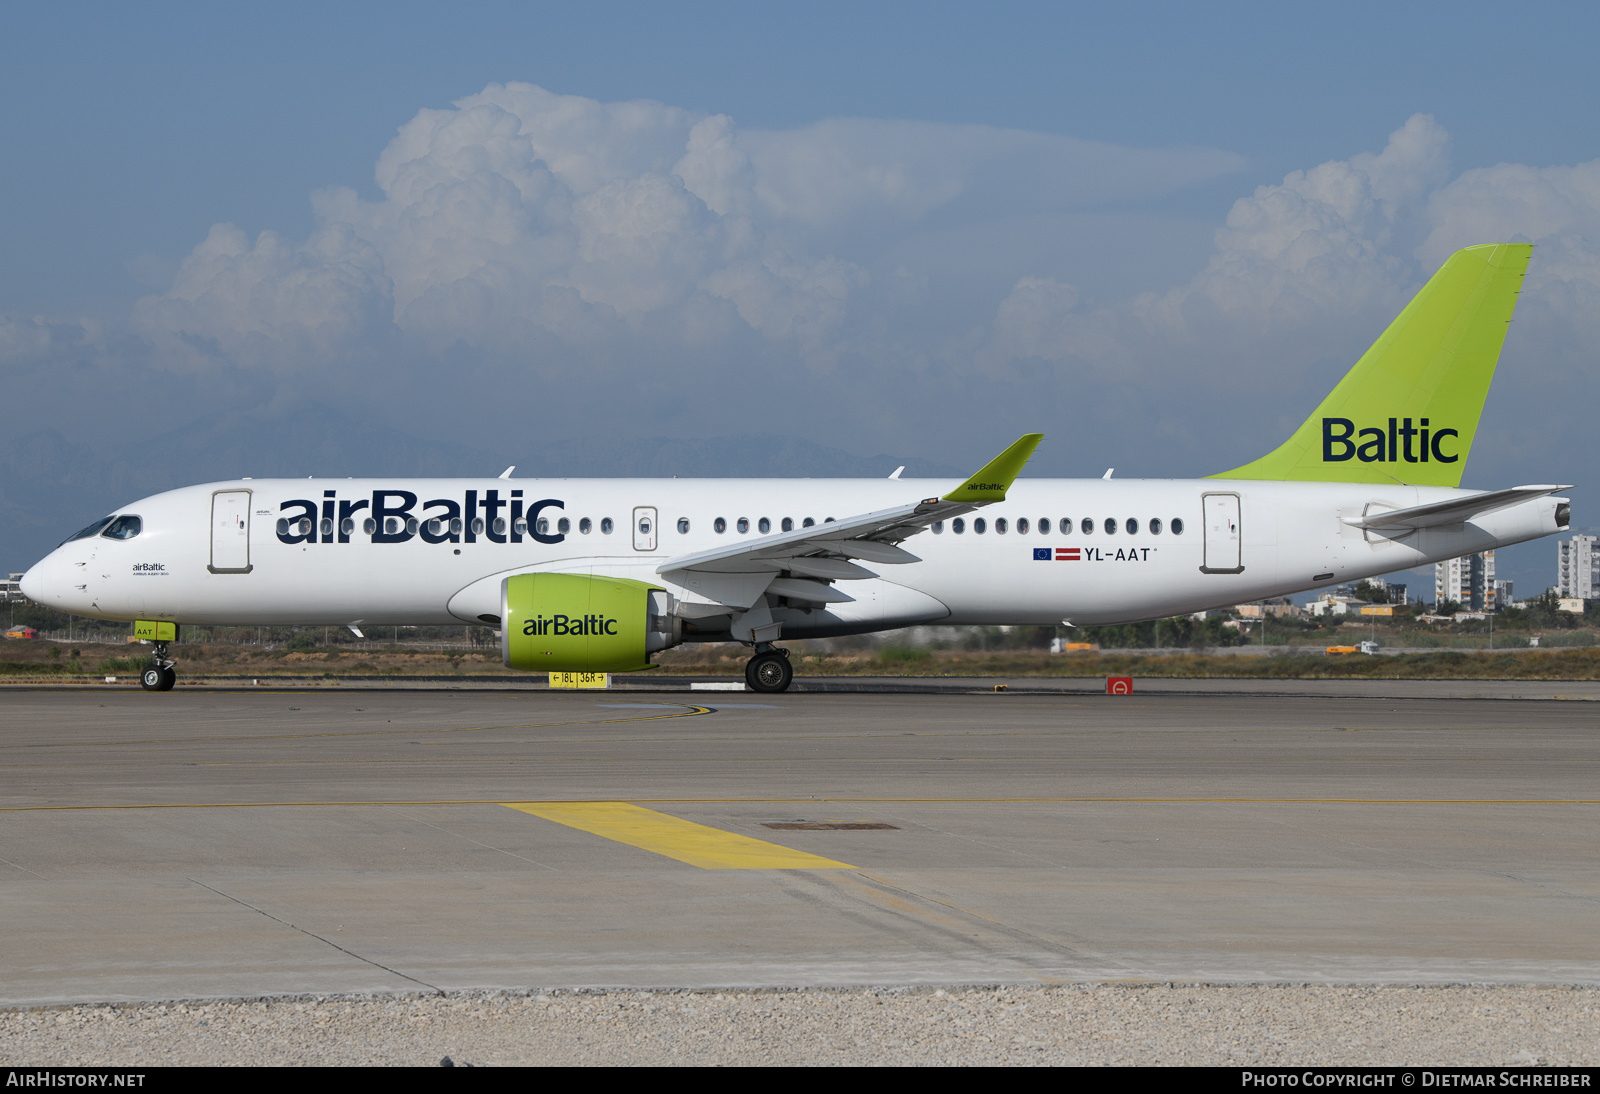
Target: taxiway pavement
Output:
[{"x": 212, "y": 843}]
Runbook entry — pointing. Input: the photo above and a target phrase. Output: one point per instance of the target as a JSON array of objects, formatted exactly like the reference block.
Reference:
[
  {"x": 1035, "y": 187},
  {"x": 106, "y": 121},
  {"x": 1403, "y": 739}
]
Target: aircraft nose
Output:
[{"x": 33, "y": 583}]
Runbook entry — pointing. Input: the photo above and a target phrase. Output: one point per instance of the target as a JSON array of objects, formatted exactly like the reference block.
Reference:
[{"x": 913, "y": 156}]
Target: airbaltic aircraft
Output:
[{"x": 595, "y": 575}]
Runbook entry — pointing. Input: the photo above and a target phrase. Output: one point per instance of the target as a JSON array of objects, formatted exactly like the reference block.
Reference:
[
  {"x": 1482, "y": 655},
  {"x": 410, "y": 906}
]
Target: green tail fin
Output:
[{"x": 1409, "y": 409}]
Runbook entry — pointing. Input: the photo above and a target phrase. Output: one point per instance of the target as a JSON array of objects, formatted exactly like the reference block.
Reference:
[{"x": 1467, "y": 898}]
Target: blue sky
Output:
[{"x": 929, "y": 225}]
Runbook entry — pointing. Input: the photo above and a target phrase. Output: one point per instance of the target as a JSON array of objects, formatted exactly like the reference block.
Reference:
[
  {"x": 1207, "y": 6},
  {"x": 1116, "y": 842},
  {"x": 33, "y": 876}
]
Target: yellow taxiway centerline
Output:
[{"x": 697, "y": 844}]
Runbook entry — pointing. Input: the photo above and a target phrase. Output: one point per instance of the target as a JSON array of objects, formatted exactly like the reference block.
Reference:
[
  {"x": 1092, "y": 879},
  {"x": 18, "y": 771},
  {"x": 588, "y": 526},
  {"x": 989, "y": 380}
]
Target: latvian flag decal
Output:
[{"x": 1063, "y": 554}]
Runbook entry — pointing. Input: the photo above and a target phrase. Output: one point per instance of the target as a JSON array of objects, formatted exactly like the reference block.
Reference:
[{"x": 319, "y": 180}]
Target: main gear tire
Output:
[
  {"x": 153, "y": 679},
  {"x": 769, "y": 673},
  {"x": 169, "y": 678}
]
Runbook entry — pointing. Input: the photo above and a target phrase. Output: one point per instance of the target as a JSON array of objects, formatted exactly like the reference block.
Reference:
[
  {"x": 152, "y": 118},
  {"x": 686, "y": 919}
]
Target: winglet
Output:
[{"x": 995, "y": 477}]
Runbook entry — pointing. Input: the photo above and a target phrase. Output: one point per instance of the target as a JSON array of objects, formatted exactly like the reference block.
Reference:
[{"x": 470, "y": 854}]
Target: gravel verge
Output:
[{"x": 1205, "y": 1024}]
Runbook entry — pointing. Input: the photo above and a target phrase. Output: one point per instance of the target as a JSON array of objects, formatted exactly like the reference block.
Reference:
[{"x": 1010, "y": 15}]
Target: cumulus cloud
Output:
[
  {"x": 639, "y": 260},
  {"x": 1309, "y": 251},
  {"x": 520, "y": 216},
  {"x": 1306, "y": 272}
]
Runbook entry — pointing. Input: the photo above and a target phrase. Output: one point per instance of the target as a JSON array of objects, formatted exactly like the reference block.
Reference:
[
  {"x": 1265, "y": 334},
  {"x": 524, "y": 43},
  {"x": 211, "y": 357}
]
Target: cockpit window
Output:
[
  {"x": 124, "y": 527},
  {"x": 89, "y": 531}
]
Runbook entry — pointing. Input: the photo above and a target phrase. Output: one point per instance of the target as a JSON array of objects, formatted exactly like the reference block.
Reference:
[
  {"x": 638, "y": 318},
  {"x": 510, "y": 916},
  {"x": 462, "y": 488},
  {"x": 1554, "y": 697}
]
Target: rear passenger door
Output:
[{"x": 1222, "y": 534}]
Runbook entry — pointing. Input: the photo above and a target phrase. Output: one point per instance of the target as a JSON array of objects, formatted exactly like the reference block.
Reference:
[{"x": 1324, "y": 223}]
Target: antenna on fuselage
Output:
[{"x": 506, "y": 474}]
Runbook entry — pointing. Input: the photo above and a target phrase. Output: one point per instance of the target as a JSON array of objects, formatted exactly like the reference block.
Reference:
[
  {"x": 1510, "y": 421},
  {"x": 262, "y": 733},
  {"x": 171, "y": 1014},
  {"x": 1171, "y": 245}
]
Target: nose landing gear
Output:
[
  {"x": 769, "y": 670},
  {"x": 160, "y": 676}
]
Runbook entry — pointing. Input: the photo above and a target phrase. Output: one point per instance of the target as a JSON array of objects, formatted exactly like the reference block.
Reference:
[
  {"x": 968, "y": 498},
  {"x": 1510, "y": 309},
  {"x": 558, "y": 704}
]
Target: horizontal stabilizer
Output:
[{"x": 1453, "y": 511}]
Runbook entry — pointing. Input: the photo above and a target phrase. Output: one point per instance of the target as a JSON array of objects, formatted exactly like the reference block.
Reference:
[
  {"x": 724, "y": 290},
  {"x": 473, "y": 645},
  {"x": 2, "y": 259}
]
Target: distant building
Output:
[
  {"x": 1468, "y": 580},
  {"x": 1502, "y": 596},
  {"x": 1333, "y": 604},
  {"x": 1578, "y": 568},
  {"x": 1282, "y": 607},
  {"x": 1394, "y": 593}
]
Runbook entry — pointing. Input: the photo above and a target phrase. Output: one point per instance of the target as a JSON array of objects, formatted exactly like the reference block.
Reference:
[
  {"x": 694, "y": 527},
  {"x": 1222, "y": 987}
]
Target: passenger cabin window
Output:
[
  {"x": 370, "y": 526},
  {"x": 327, "y": 528},
  {"x": 979, "y": 525},
  {"x": 1087, "y": 526},
  {"x": 1022, "y": 526},
  {"x": 455, "y": 526},
  {"x": 999, "y": 526},
  {"x": 743, "y": 525},
  {"x": 1066, "y": 526},
  {"x": 606, "y": 526},
  {"x": 542, "y": 527},
  {"x": 807, "y": 523},
  {"x": 1177, "y": 526},
  {"x": 938, "y": 527},
  {"x": 788, "y": 524},
  {"x": 1111, "y": 526},
  {"x": 764, "y": 526},
  {"x": 1131, "y": 526},
  {"x": 1155, "y": 526},
  {"x": 683, "y": 526},
  {"x": 958, "y": 526},
  {"x": 563, "y": 526},
  {"x": 123, "y": 528},
  {"x": 719, "y": 526},
  {"x": 585, "y": 525},
  {"x": 519, "y": 526}
]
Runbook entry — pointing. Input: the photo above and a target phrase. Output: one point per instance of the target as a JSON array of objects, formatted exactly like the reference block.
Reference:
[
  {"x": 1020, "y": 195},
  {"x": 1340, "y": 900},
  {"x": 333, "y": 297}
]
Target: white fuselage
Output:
[{"x": 1287, "y": 537}]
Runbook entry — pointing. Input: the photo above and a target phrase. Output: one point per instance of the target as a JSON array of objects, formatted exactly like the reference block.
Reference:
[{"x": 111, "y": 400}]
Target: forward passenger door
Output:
[{"x": 230, "y": 532}]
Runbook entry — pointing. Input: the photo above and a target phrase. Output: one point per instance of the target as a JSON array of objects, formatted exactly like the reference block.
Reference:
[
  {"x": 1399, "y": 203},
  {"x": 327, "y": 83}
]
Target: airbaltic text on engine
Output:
[{"x": 582, "y": 623}]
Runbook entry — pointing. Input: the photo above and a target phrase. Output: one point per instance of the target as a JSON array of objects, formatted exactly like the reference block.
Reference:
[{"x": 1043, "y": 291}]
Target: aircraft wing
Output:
[
  {"x": 804, "y": 563},
  {"x": 1453, "y": 511}
]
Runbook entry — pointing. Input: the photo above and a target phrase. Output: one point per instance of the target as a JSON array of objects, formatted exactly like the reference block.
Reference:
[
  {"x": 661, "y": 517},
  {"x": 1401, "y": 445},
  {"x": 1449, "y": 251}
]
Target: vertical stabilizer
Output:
[{"x": 1409, "y": 408}]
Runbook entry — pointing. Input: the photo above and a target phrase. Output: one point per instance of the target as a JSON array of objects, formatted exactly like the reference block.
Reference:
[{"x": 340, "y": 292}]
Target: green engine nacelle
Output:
[{"x": 580, "y": 623}]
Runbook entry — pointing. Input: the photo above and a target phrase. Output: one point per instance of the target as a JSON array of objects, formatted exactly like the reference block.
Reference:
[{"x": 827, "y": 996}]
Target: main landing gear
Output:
[
  {"x": 769, "y": 670},
  {"x": 160, "y": 676}
]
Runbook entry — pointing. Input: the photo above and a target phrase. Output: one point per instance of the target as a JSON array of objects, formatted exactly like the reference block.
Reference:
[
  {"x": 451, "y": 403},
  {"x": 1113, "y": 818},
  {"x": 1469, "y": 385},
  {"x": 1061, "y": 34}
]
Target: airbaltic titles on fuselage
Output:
[{"x": 395, "y": 516}]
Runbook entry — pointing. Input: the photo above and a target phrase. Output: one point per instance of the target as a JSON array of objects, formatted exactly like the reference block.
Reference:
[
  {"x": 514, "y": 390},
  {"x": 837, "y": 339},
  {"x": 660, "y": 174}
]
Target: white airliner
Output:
[{"x": 595, "y": 575}]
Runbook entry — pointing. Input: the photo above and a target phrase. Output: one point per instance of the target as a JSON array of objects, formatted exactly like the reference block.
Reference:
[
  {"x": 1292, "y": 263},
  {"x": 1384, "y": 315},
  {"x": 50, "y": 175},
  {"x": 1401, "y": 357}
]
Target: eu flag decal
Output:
[{"x": 1041, "y": 554}]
